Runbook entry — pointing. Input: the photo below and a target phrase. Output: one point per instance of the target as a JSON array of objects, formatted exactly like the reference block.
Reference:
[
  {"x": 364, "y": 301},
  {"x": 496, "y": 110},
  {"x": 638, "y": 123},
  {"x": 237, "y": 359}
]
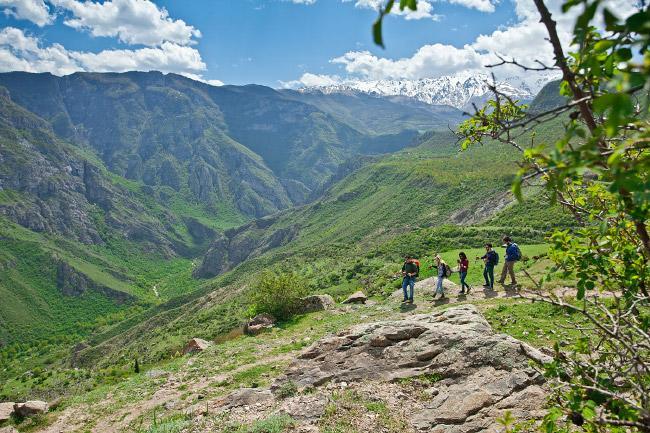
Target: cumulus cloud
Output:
[
  {"x": 523, "y": 41},
  {"x": 311, "y": 80},
  {"x": 131, "y": 21},
  {"x": 428, "y": 62},
  {"x": 35, "y": 11},
  {"x": 424, "y": 9},
  {"x": 21, "y": 52},
  {"x": 481, "y": 5}
]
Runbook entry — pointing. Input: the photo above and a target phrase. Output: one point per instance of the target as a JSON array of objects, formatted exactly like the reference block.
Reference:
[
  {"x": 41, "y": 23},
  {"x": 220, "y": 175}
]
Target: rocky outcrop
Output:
[
  {"x": 6, "y": 410},
  {"x": 259, "y": 324},
  {"x": 356, "y": 298},
  {"x": 74, "y": 283},
  {"x": 196, "y": 345},
  {"x": 313, "y": 303},
  {"x": 246, "y": 242},
  {"x": 474, "y": 375},
  {"x": 30, "y": 408}
]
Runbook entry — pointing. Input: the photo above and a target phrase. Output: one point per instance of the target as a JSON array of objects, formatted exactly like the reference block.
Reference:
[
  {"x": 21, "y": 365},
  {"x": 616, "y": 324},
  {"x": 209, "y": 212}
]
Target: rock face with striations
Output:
[{"x": 479, "y": 374}]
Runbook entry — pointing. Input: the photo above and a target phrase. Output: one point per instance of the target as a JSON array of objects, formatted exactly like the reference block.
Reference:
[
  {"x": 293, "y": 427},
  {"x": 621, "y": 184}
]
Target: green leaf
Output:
[{"x": 376, "y": 32}]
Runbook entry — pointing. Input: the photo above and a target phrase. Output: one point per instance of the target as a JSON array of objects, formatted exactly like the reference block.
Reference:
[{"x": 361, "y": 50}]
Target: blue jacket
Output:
[{"x": 511, "y": 252}]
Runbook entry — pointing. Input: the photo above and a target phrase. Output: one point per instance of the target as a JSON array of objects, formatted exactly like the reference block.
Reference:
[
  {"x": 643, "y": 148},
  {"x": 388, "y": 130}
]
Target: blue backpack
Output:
[{"x": 517, "y": 255}]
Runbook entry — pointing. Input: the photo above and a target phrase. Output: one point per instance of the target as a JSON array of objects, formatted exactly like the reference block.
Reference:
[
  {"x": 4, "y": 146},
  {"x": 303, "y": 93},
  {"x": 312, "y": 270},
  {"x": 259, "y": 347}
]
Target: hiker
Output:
[
  {"x": 443, "y": 272},
  {"x": 513, "y": 254},
  {"x": 491, "y": 259},
  {"x": 410, "y": 271},
  {"x": 463, "y": 266}
]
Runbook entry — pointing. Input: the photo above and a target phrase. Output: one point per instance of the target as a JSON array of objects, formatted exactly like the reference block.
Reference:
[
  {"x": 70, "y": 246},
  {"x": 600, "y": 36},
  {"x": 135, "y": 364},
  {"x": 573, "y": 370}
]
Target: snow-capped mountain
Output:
[{"x": 460, "y": 90}]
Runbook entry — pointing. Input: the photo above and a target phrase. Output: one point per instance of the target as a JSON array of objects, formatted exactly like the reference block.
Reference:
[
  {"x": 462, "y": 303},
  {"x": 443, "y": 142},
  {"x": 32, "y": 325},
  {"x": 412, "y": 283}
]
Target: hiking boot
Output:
[
  {"x": 468, "y": 289},
  {"x": 410, "y": 301},
  {"x": 404, "y": 300},
  {"x": 462, "y": 292}
]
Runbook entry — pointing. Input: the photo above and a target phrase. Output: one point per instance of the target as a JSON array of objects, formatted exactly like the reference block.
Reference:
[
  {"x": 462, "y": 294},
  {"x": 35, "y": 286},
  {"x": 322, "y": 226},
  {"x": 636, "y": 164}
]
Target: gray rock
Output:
[
  {"x": 481, "y": 374},
  {"x": 30, "y": 408},
  {"x": 247, "y": 397},
  {"x": 196, "y": 345},
  {"x": 6, "y": 409},
  {"x": 356, "y": 298},
  {"x": 259, "y": 324},
  {"x": 313, "y": 303}
]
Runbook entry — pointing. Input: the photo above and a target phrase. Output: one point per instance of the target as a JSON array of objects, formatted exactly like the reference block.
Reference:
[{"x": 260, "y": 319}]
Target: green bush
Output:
[{"x": 277, "y": 294}]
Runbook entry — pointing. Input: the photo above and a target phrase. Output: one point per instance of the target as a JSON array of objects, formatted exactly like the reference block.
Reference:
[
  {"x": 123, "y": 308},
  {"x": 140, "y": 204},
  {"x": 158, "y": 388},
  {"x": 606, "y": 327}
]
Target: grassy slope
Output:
[{"x": 352, "y": 238}]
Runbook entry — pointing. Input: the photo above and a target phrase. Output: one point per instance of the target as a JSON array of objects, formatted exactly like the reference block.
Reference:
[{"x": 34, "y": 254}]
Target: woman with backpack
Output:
[
  {"x": 463, "y": 266},
  {"x": 443, "y": 272}
]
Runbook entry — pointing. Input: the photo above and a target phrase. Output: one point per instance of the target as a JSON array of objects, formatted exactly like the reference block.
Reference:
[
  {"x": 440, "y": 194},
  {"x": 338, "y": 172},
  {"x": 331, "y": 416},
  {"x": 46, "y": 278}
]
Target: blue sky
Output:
[{"x": 271, "y": 42}]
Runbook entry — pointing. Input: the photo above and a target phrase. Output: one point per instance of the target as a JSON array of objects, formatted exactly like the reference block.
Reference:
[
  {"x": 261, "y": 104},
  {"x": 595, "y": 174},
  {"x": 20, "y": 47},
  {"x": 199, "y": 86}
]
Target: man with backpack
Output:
[
  {"x": 491, "y": 259},
  {"x": 513, "y": 254},
  {"x": 410, "y": 272}
]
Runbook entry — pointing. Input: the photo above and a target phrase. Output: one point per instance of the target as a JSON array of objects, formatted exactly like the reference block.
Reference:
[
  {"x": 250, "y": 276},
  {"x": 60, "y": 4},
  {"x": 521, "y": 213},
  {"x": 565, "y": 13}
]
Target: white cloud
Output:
[
  {"x": 311, "y": 80},
  {"x": 131, "y": 21},
  {"x": 20, "y": 52},
  {"x": 481, "y": 5},
  {"x": 524, "y": 41},
  {"x": 424, "y": 9},
  {"x": 428, "y": 62},
  {"x": 35, "y": 11}
]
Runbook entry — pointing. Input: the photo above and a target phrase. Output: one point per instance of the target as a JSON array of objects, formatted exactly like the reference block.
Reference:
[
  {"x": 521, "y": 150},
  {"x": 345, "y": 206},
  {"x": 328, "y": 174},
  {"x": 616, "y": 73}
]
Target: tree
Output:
[
  {"x": 599, "y": 171},
  {"x": 136, "y": 366}
]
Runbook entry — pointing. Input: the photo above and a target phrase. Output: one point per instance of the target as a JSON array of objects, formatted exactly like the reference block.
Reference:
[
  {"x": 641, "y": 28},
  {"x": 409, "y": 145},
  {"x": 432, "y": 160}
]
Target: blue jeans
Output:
[
  {"x": 439, "y": 288},
  {"x": 463, "y": 284},
  {"x": 408, "y": 281}
]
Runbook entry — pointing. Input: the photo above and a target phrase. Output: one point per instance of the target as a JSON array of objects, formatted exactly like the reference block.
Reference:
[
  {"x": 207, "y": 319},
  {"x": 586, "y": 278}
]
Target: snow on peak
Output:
[{"x": 460, "y": 90}]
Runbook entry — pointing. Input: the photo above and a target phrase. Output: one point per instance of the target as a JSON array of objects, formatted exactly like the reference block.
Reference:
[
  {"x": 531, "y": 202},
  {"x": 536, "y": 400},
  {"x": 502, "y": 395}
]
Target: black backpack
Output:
[{"x": 493, "y": 258}]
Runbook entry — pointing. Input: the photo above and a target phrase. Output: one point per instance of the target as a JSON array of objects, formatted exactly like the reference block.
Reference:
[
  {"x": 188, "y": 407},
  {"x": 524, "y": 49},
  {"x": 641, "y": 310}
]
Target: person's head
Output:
[
  {"x": 407, "y": 257},
  {"x": 488, "y": 247},
  {"x": 438, "y": 259},
  {"x": 462, "y": 255},
  {"x": 507, "y": 240}
]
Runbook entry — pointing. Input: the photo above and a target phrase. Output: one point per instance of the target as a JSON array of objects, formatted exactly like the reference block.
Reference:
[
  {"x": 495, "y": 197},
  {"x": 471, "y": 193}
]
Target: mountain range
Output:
[{"x": 461, "y": 91}]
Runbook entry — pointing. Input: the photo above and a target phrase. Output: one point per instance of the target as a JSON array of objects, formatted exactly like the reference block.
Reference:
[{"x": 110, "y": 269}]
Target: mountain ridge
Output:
[{"x": 460, "y": 91}]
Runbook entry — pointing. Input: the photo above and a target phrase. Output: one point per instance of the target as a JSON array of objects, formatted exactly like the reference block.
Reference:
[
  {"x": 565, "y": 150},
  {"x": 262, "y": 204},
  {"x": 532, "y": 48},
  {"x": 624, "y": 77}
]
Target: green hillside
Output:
[{"x": 354, "y": 237}]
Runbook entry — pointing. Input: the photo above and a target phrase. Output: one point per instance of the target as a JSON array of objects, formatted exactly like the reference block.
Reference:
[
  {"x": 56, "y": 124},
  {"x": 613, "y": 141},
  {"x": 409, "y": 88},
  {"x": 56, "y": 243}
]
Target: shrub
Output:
[{"x": 277, "y": 294}]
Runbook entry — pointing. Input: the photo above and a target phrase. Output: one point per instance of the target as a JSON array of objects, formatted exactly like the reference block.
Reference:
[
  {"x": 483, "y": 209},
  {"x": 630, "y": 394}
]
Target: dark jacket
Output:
[{"x": 410, "y": 267}]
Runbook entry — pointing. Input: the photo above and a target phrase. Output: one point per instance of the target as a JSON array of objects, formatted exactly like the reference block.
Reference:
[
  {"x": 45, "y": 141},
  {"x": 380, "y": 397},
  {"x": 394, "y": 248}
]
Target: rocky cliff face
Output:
[
  {"x": 48, "y": 186},
  {"x": 245, "y": 242}
]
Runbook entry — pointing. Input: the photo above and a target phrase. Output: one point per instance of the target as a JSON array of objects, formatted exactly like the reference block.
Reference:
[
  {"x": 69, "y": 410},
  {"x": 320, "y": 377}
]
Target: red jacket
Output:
[{"x": 464, "y": 265}]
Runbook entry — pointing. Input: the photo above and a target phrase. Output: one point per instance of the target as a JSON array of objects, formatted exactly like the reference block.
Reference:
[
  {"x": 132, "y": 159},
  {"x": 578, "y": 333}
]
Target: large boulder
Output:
[
  {"x": 259, "y": 324},
  {"x": 6, "y": 409},
  {"x": 356, "y": 298},
  {"x": 313, "y": 303},
  {"x": 30, "y": 408},
  {"x": 196, "y": 345},
  {"x": 474, "y": 375}
]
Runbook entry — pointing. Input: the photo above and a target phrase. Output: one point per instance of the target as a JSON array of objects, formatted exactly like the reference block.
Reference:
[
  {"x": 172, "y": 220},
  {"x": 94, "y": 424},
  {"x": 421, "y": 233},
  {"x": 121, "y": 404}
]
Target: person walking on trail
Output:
[
  {"x": 513, "y": 255},
  {"x": 443, "y": 272},
  {"x": 463, "y": 266},
  {"x": 410, "y": 272},
  {"x": 491, "y": 259}
]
